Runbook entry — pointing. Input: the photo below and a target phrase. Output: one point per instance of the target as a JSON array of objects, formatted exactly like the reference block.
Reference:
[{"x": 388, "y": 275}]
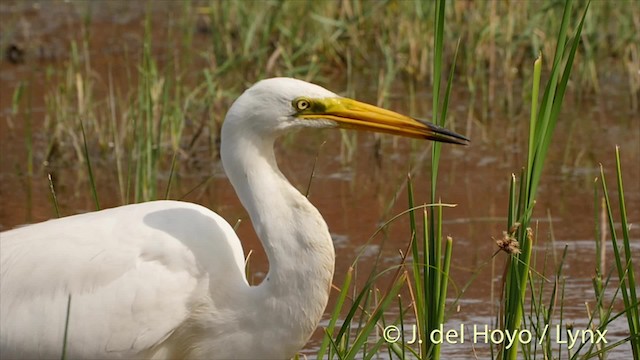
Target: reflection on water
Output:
[{"x": 357, "y": 197}]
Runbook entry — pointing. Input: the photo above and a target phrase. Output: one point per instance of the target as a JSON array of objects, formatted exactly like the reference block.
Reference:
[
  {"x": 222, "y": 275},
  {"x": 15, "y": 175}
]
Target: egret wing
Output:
[{"x": 134, "y": 273}]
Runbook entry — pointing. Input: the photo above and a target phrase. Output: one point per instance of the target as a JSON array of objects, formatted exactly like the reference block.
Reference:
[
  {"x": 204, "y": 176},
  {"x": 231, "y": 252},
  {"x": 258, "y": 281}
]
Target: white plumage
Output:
[{"x": 165, "y": 279}]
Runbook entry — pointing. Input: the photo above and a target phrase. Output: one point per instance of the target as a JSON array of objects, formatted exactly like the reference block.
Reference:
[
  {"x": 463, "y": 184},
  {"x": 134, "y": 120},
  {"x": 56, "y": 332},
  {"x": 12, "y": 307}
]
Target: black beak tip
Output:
[{"x": 446, "y": 135}]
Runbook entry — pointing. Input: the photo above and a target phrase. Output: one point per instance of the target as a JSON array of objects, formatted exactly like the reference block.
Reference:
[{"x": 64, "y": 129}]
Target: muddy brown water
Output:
[{"x": 355, "y": 197}]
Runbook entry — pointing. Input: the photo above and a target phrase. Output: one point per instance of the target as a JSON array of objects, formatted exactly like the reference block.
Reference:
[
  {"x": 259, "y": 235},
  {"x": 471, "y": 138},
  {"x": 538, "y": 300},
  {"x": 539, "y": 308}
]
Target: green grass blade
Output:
[
  {"x": 419, "y": 270},
  {"x": 335, "y": 314},
  {"x": 537, "y": 71},
  {"x": 54, "y": 198},
  {"x": 623, "y": 269},
  {"x": 66, "y": 330},
  {"x": 633, "y": 317},
  {"x": 92, "y": 181},
  {"x": 627, "y": 249},
  {"x": 363, "y": 335},
  {"x": 443, "y": 288},
  {"x": 511, "y": 213},
  {"x": 171, "y": 174}
]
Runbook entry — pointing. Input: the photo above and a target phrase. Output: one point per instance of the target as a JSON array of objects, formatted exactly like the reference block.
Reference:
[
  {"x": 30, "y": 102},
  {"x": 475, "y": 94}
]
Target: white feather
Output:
[
  {"x": 166, "y": 279},
  {"x": 134, "y": 273}
]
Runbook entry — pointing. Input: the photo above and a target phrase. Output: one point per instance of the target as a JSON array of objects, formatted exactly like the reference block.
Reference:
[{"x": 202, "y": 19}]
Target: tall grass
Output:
[
  {"x": 624, "y": 260},
  {"x": 429, "y": 266},
  {"x": 233, "y": 43},
  {"x": 431, "y": 270},
  {"x": 163, "y": 111},
  {"x": 171, "y": 92},
  {"x": 521, "y": 207}
]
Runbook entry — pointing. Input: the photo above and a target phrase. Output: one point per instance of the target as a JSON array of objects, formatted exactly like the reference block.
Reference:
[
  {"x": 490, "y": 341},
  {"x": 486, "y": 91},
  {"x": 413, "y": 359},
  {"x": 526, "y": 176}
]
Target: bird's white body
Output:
[
  {"x": 166, "y": 279},
  {"x": 148, "y": 289},
  {"x": 131, "y": 285}
]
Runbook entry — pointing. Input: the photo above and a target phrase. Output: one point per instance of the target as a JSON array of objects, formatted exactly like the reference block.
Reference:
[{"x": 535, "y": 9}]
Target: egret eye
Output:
[{"x": 302, "y": 104}]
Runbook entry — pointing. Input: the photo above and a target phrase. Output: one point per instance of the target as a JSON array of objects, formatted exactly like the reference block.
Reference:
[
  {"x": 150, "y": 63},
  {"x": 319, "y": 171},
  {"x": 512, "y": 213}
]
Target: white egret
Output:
[{"x": 165, "y": 279}]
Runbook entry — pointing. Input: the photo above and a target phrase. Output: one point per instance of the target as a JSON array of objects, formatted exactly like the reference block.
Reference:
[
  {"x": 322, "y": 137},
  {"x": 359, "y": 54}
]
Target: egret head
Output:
[{"x": 275, "y": 105}]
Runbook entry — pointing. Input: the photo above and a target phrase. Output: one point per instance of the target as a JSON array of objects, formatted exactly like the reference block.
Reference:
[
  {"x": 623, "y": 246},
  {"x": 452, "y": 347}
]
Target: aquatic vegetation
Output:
[{"x": 140, "y": 117}]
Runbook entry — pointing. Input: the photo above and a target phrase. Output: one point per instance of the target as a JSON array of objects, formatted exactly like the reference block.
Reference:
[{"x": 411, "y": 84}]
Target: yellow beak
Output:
[{"x": 352, "y": 114}]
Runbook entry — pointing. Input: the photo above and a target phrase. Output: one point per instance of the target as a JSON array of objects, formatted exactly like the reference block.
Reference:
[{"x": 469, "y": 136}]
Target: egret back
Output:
[{"x": 133, "y": 272}]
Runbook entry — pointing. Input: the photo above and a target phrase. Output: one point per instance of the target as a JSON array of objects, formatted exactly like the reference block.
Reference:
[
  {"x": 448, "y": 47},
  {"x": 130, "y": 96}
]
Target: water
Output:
[{"x": 358, "y": 196}]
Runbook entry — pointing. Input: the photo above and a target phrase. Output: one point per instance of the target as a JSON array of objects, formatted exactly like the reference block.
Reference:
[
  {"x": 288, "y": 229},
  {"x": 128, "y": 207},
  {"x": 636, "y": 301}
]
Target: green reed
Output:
[
  {"x": 542, "y": 124},
  {"x": 246, "y": 41},
  {"x": 431, "y": 271},
  {"x": 234, "y": 43},
  {"x": 624, "y": 260},
  {"x": 429, "y": 266},
  {"x": 367, "y": 308}
]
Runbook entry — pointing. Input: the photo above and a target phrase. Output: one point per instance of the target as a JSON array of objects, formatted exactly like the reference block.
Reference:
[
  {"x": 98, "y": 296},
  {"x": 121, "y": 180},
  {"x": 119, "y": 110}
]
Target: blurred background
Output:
[{"x": 137, "y": 92}]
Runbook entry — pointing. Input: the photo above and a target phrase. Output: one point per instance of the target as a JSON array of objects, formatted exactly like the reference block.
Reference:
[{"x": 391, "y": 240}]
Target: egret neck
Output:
[{"x": 295, "y": 237}]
